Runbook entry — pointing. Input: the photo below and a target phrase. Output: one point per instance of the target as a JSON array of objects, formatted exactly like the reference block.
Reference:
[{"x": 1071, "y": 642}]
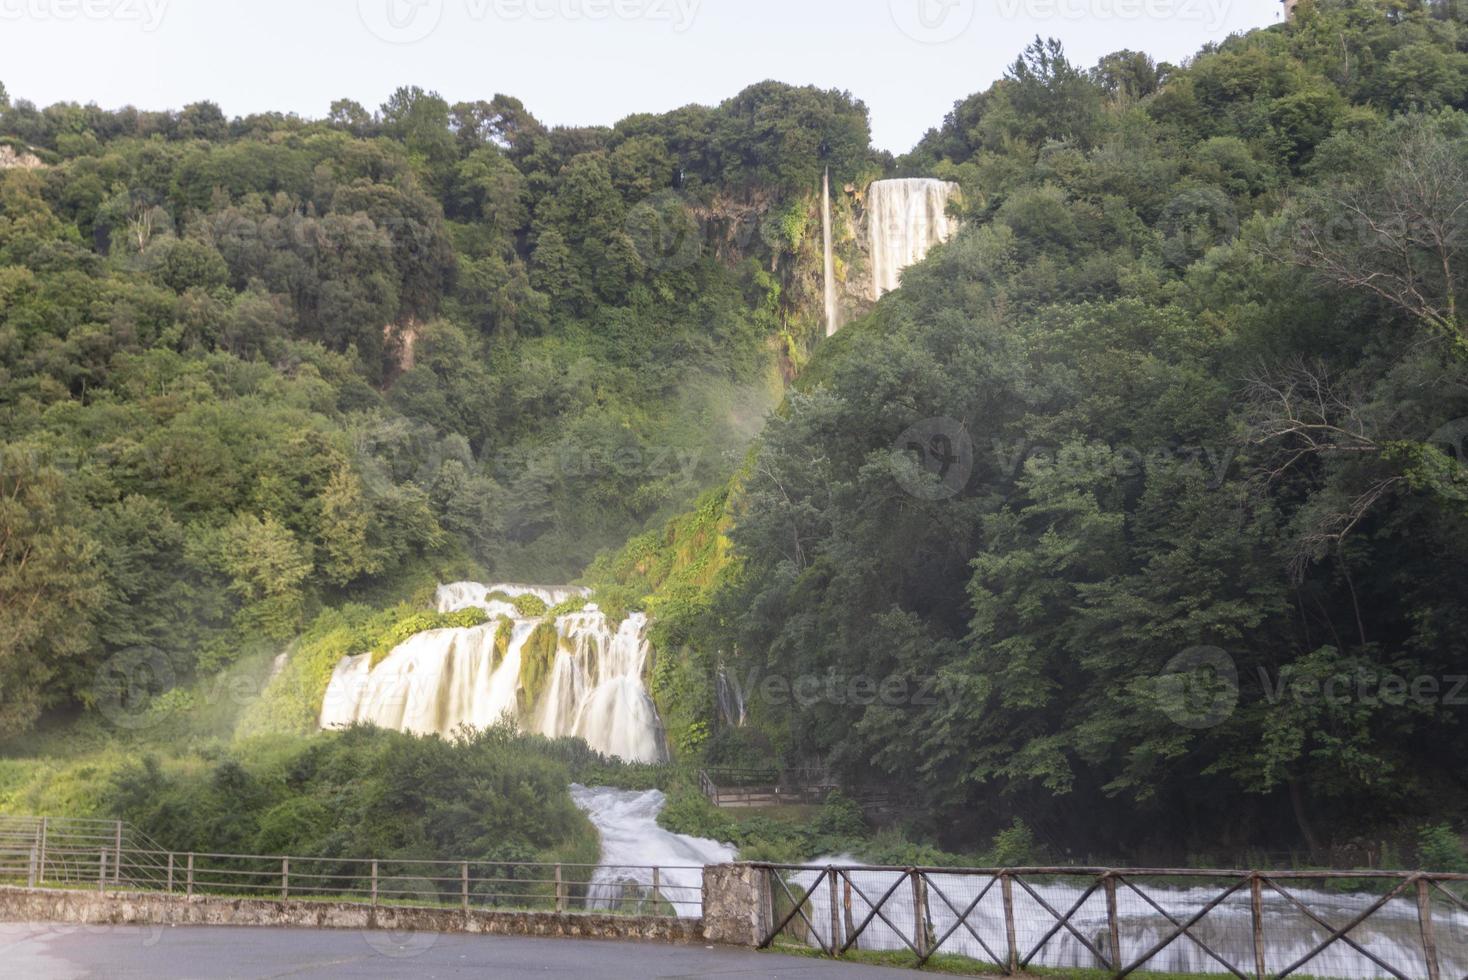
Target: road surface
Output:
[{"x": 50, "y": 951}]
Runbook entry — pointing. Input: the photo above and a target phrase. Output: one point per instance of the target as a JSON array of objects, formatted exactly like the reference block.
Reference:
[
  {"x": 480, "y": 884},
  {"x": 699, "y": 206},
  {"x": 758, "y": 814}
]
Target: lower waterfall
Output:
[
  {"x": 905, "y": 219},
  {"x": 631, "y": 841},
  {"x": 577, "y": 675}
]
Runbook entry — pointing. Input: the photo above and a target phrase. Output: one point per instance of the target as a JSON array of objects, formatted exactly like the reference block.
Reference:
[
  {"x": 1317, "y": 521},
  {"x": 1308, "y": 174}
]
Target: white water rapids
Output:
[
  {"x": 1392, "y": 933},
  {"x": 905, "y": 219},
  {"x": 442, "y": 679},
  {"x": 632, "y": 844}
]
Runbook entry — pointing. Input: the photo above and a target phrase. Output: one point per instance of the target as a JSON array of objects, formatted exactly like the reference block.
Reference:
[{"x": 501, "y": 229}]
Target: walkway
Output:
[{"x": 48, "y": 951}]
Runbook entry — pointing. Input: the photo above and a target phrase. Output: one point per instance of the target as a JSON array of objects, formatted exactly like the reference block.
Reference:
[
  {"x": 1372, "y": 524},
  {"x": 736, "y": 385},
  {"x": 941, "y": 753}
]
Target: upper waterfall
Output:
[
  {"x": 905, "y": 218},
  {"x": 575, "y": 675}
]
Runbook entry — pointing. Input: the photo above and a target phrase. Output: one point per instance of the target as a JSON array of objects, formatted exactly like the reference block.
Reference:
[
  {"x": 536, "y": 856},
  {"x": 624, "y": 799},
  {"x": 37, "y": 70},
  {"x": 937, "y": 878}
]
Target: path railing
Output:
[
  {"x": 1251, "y": 924},
  {"x": 109, "y": 856}
]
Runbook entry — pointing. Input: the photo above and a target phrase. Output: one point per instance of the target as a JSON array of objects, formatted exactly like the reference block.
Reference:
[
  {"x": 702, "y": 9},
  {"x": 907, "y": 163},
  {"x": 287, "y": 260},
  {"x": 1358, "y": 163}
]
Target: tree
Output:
[
  {"x": 1398, "y": 230},
  {"x": 50, "y": 588}
]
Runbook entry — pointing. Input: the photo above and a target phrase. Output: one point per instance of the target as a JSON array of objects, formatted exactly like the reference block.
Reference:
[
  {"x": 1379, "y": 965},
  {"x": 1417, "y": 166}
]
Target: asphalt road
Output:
[{"x": 65, "y": 952}]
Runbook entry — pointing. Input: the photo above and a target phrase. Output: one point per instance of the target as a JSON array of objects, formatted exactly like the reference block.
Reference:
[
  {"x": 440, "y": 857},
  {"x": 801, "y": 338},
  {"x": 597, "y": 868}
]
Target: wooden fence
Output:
[{"x": 1251, "y": 924}]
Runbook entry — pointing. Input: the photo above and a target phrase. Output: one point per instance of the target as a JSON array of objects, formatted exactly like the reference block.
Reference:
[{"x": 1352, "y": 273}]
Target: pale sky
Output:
[{"x": 572, "y": 61}]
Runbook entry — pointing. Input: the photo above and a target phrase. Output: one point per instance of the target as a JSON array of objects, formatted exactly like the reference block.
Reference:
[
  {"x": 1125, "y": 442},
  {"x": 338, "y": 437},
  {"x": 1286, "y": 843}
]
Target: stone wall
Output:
[
  {"x": 736, "y": 904},
  {"x": 143, "y": 908}
]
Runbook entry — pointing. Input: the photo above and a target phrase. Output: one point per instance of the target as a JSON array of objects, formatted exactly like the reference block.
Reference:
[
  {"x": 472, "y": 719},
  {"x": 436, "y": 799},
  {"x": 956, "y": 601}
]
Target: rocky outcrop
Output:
[{"x": 13, "y": 159}]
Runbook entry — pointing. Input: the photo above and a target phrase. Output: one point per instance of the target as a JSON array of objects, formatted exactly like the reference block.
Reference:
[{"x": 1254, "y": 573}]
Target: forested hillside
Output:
[
  {"x": 1182, "y": 394},
  {"x": 1139, "y": 514},
  {"x": 250, "y": 368}
]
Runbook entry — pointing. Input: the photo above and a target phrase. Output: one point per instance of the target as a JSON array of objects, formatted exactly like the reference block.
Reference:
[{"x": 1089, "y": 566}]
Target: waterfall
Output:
[
  {"x": 905, "y": 218},
  {"x": 591, "y": 687},
  {"x": 833, "y": 312}
]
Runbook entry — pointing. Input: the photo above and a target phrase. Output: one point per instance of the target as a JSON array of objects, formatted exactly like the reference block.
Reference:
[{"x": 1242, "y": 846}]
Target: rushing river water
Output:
[
  {"x": 632, "y": 843},
  {"x": 1392, "y": 933}
]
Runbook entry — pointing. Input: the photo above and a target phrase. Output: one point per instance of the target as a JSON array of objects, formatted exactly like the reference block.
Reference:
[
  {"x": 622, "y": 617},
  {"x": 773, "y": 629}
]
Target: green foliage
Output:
[
  {"x": 529, "y": 605},
  {"x": 537, "y": 661},
  {"x": 1137, "y": 240},
  {"x": 494, "y": 795},
  {"x": 572, "y": 605},
  {"x": 1440, "y": 848},
  {"x": 404, "y": 629}
]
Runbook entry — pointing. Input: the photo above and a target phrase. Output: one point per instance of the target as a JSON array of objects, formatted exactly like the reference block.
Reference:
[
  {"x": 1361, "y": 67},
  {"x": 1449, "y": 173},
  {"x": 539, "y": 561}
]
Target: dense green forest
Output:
[
  {"x": 1200, "y": 343},
  {"x": 1195, "y": 356}
]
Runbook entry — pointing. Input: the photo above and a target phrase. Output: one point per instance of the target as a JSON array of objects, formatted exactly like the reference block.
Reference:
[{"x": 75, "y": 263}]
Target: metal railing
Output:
[
  {"x": 108, "y": 855},
  {"x": 1251, "y": 924}
]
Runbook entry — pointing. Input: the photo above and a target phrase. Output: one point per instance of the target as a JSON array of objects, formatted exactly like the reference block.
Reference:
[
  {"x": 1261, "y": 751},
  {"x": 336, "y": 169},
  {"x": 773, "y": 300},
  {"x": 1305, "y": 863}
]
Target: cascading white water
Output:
[
  {"x": 1392, "y": 934},
  {"x": 905, "y": 219},
  {"x": 632, "y": 843},
  {"x": 442, "y": 679},
  {"x": 833, "y": 310}
]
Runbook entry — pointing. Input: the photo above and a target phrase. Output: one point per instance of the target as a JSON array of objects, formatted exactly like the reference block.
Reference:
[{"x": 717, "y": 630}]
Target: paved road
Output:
[{"x": 46, "y": 951}]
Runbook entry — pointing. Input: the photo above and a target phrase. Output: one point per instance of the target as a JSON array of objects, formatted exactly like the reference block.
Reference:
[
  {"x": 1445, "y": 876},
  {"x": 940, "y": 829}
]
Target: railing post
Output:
[
  {"x": 30, "y": 876},
  {"x": 170, "y": 872},
  {"x": 835, "y": 916},
  {"x": 41, "y": 867},
  {"x": 846, "y": 905},
  {"x": 560, "y": 892},
  {"x": 1006, "y": 885},
  {"x": 1256, "y": 900},
  {"x": 285, "y": 879},
  {"x": 190, "y": 872},
  {"x": 464, "y": 886},
  {"x": 117, "y": 851},
  {"x": 1113, "y": 923},
  {"x": 656, "y": 890},
  {"x": 920, "y": 913},
  {"x": 102, "y": 870},
  {"x": 374, "y": 881},
  {"x": 1424, "y": 918}
]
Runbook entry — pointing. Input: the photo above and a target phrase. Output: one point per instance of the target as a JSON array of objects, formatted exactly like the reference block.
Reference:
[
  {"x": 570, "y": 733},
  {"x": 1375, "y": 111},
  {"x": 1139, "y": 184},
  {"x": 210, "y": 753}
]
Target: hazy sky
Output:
[{"x": 572, "y": 61}]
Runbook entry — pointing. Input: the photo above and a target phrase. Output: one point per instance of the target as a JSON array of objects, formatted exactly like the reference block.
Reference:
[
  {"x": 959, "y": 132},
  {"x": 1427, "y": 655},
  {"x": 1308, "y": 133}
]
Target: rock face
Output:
[{"x": 13, "y": 159}]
